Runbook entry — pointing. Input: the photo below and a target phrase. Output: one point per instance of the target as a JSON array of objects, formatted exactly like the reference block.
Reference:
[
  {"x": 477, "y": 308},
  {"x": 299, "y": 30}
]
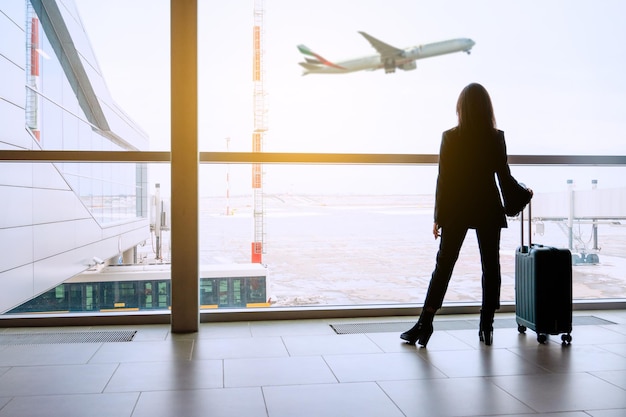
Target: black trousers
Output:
[{"x": 449, "y": 246}]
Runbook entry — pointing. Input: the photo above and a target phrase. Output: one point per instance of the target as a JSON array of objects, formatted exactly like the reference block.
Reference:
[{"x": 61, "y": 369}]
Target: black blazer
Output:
[{"x": 467, "y": 194}]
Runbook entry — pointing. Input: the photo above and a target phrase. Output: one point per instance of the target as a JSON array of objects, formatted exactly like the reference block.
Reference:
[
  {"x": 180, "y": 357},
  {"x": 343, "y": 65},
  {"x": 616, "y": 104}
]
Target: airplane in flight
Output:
[{"x": 389, "y": 57}]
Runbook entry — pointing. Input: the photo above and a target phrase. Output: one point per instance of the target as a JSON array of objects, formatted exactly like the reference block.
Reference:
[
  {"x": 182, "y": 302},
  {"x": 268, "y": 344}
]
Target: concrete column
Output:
[
  {"x": 129, "y": 256},
  {"x": 184, "y": 166}
]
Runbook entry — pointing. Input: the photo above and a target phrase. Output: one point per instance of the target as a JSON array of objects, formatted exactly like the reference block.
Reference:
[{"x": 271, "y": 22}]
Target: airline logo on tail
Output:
[
  {"x": 317, "y": 61},
  {"x": 388, "y": 57}
]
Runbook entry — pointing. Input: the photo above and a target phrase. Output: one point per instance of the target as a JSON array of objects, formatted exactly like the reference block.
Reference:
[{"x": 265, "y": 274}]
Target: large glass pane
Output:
[
  {"x": 557, "y": 89},
  {"x": 68, "y": 104},
  {"x": 65, "y": 225},
  {"x": 363, "y": 234},
  {"x": 131, "y": 42},
  {"x": 368, "y": 242},
  {"x": 321, "y": 234},
  {"x": 67, "y": 219}
]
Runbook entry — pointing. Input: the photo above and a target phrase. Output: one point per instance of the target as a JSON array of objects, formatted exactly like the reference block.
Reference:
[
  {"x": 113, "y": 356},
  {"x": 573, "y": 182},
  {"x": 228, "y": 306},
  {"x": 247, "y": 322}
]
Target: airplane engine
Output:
[
  {"x": 408, "y": 66},
  {"x": 390, "y": 65}
]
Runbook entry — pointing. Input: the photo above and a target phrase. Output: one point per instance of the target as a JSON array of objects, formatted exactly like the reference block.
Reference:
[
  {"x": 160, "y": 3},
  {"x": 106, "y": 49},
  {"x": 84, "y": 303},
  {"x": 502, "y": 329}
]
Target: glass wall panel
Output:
[
  {"x": 361, "y": 235},
  {"x": 325, "y": 234},
  {"x": 65, "y": 224},
  {"x": 131, "y": 43},
  {"x": 368, "y": 242},
  {"x": 556, "y": 99},
  {"x": 111, "y": 192}
]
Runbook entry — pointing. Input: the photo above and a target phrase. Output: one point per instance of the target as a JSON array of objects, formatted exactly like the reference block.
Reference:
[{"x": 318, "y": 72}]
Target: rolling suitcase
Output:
[{"x": 543, "y": 288}]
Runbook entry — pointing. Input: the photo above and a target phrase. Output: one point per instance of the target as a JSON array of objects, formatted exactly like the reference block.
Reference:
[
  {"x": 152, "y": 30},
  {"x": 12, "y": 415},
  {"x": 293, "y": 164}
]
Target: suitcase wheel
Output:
[
  {"x": 541, "y": 338},
  {"x": 521, "y": 329},
  {"x": 566, "y": 338}
]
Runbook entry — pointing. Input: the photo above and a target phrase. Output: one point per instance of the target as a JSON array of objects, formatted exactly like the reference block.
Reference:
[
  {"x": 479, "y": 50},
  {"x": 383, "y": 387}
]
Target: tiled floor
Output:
[{"x": 303, "y": 368}]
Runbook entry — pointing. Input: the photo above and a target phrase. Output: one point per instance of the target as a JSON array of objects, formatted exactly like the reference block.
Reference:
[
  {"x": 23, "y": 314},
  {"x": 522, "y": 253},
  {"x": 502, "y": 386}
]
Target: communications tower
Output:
[{"x": 260, "y": 127}]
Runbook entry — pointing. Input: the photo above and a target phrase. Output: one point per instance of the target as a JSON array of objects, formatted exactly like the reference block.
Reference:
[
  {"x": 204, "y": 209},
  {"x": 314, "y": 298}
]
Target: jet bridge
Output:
[{"x": 573, "y": 210}]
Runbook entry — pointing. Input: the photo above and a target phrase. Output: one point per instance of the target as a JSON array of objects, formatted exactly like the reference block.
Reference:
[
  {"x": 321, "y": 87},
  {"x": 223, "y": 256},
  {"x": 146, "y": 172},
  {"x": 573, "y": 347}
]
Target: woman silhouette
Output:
[{"x": 467, "y": 197}]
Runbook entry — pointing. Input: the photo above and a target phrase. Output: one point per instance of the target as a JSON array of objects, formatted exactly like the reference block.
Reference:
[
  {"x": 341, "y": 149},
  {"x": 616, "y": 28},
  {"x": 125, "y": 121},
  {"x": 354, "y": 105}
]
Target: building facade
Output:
[{"x": 59, "y": 219}]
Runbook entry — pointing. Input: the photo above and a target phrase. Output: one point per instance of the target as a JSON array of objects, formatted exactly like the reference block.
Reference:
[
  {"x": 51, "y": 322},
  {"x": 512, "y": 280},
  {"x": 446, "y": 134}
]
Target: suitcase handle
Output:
[{"x": 530, "y": 225}]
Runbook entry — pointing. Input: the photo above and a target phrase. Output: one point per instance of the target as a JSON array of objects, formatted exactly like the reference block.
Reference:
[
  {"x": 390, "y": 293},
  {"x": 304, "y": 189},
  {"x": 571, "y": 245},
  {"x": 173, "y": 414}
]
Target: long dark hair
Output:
[{"x": 475, "y": 111}]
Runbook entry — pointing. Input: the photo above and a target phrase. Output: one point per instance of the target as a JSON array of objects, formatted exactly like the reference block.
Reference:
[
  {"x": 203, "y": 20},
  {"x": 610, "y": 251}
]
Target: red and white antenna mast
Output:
[
  {"x": 32, "y": 69},
  {"x": 260, "y": 127}
]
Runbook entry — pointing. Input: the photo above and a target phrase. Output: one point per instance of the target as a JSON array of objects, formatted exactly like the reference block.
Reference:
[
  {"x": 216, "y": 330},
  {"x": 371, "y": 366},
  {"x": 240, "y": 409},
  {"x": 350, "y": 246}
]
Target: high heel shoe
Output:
[
  {"x": 485, "y": 327},
  {"x": 420, "y": 333},
  {"x": 486, "y": 336}
]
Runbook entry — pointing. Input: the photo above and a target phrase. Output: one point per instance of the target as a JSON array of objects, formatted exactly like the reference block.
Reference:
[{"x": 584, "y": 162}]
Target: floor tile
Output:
[
  {"x": 597, "y": 335},
  {"x": 152, "y": 333},
  {"x": 617, "y": 378},
  {"x": 229, "y": 402},
  {"x": 502, "y": 338},
  {"x": 618, "y": 328},
  {"x": 391, "y": 342},
  {"x": 290, "y": 328},
  {"x": 452, "y": 397},
  {"x": 4, "y": 401},
  {"x": 48, "y": 354},
  {"x": 364, "y": 399},
  {"x": 565, "y": 414},
  {"x": 381, "y": 367},
  {"x": 619, "y": 349},
  {"x": 92, "y": 405},
  {"x": 606, "y": 413},
  {"x": 615, "y": 316},
  {"x": 218, "y": 331},
  {"x": 330, "y": 345},
  {"x": 257, "y": 347},
  {"x": 301, "y": 368},
  {"x": 485, "y": 362},
  {"x": 572, "y": 358},
  {"x": 563, "y": 392},
  {"x": 171, "y": 375},
  {"x": 276, "y": 371},
  {"x": 144, "y": 351},
  {"x": 49, "y": 380}
]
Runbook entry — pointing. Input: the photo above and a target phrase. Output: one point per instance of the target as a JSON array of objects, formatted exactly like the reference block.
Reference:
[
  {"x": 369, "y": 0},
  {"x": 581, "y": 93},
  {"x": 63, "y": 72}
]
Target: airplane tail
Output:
[
  {"x": 310, "y": 56},
  {"x": 314, "y": 61}
]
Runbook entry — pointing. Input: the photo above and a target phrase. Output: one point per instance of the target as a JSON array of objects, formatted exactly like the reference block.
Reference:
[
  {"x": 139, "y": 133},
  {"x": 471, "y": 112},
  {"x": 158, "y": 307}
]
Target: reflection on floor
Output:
[{"x": 305, "y": 368}]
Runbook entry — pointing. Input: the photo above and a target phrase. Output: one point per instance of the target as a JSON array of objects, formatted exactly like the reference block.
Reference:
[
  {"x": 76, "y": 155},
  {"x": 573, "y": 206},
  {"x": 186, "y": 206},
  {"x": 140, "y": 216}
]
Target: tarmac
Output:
[{"x": 369, "y": 250}]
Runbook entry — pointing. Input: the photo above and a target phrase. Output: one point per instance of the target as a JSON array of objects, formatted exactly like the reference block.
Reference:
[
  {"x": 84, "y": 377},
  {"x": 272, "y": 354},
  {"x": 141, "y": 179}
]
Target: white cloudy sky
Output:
[{"x": 554, "y": 70}]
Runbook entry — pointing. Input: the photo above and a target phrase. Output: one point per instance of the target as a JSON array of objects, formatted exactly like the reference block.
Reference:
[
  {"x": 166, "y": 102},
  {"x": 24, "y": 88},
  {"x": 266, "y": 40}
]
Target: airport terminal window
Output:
[
  {"x": 370, "y": 242},
  {"x": 208, "y": 293},
  {"x": 344, "y": 234},
  {"x": 57, "y": 119}
]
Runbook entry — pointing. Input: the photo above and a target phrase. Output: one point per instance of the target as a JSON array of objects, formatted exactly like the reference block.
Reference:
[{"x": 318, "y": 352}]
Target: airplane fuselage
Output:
[
  {"x": 405, "y": 60},
  {"x": 439, "y": 48}
]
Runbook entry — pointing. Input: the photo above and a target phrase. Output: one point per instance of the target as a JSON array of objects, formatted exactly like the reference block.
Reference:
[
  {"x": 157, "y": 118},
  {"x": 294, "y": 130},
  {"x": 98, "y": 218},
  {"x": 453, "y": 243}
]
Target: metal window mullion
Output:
[{"x": 184, "y": 167}]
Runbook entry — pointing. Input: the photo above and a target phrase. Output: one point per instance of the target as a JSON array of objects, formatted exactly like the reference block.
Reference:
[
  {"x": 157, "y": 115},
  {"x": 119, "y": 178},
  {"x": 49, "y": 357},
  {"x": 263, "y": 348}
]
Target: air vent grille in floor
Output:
[
  {"x": 401, "y": 326},
  {"x": 35, "y": 338}
]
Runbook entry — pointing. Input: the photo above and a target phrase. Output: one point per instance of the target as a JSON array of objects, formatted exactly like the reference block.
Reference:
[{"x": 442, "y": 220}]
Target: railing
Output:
[{"x": 294, "y": 158}]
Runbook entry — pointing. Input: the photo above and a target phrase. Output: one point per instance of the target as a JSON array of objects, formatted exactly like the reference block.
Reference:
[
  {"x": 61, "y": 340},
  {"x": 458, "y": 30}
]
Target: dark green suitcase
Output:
[{"x": 543, "y": 289}]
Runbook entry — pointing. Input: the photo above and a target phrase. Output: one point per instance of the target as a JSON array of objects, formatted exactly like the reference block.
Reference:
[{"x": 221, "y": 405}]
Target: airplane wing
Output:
[{"x": 385, "y": 50}]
